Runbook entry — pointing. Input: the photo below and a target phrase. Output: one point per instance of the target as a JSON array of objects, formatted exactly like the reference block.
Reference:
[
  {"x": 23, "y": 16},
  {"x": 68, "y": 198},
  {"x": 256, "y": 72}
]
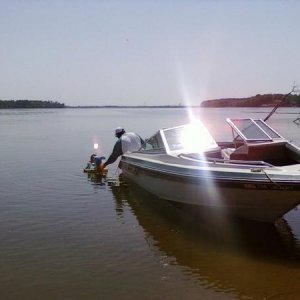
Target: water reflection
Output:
[
  {"x": 241, "y": 258},
  {"x": 118, "y": 187},
  {"x": 96, "y": 179}
]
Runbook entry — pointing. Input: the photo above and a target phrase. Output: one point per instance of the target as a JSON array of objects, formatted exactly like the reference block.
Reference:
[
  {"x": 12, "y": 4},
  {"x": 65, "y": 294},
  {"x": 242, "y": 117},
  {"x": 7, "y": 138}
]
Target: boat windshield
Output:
[
  {"x": 268, "y": 129},
  {"x": 191, "y": 138},
  {"x": 253, "y": 130}
]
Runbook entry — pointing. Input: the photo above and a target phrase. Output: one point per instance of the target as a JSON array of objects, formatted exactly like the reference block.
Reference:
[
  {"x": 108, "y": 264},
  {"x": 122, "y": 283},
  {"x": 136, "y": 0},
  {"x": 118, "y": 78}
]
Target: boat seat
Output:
[
  {"x": 216, "y": 153},
  {"x": 293, "y": 153},
  {"x": 226, "y": 152},
  {"x": 268, "y": 152},
  {"x": 241, "y": 153}
]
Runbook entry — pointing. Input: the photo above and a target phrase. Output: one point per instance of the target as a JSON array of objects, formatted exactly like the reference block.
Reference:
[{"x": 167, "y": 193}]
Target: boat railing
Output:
[{"x": 226, "y": 161}]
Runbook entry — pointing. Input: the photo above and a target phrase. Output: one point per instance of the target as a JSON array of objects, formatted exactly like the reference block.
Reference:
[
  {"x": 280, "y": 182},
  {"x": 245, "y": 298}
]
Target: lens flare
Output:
[
  {"x": 197, "y": 139},
  {"x": 96, "y": 146},
  {"x": 200, "y": 141}
]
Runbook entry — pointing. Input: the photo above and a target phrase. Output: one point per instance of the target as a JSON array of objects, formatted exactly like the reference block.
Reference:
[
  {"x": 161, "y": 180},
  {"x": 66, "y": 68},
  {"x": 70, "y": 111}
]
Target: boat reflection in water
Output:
[{"x": 238, "y": 257}]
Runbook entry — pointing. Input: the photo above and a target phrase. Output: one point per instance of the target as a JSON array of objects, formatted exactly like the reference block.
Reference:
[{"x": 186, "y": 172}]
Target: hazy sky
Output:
[{"x": 147, "y": 52}]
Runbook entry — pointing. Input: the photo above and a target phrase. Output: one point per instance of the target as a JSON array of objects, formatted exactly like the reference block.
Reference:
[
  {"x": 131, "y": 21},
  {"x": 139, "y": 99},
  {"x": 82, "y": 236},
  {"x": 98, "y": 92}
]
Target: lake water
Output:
[{"x": 67, "y": 236}]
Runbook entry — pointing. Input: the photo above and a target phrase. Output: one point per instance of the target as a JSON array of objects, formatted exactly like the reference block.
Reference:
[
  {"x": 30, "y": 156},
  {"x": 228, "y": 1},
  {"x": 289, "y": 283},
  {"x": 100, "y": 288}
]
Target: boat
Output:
[{"x": 255, "y": 175}]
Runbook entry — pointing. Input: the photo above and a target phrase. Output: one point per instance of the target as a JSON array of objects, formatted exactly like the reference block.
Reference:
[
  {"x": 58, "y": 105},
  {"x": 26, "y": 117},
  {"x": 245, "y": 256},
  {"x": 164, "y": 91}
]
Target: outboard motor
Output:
[
  {"x": 94, "y": 163},
  {"x": 98, "y": 161}
]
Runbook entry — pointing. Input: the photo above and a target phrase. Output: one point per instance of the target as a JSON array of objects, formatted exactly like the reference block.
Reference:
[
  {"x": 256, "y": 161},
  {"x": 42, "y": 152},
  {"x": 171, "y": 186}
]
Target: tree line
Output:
[
  {"x": 255, "y": 101},
  {"x": 30, "y": 104}
]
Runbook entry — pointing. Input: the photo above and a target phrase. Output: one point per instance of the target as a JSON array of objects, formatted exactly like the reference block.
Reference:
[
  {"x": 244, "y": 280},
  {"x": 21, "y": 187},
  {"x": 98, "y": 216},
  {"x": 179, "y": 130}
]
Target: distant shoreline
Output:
[
  {"x": 146, "y": 107},
  {"x": 133, "y": 106},
  {"x": 266, "y": 100},
  {"x": 258, "y": 101},
  {"x": 12, "y": 104},
  {"x": 175, "y": 106}
]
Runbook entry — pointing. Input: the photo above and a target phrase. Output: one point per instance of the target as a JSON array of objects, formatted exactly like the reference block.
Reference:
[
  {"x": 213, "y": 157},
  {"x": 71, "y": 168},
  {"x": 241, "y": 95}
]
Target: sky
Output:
[{"x": 147, "y": 52}]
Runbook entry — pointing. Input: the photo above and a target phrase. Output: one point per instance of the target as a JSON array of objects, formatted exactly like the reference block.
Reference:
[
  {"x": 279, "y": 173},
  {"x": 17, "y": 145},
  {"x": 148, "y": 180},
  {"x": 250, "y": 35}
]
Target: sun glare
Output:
[
  {"x": 199, "y": 139},
  {"x": 196, "y": 138}
]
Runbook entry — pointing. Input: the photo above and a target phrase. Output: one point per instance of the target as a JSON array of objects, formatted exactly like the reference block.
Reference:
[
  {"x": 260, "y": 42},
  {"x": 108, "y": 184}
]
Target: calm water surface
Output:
[{"x": 66, "y": 236}]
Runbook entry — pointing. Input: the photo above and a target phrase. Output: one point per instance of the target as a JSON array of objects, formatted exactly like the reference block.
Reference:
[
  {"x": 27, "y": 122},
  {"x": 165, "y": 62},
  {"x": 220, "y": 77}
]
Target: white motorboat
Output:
[{"x": 255, "y": 176}]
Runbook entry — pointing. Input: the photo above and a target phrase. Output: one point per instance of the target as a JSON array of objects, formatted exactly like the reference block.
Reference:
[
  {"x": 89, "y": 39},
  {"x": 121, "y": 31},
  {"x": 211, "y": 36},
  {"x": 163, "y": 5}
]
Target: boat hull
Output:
[{"x": 265, "y": 202}]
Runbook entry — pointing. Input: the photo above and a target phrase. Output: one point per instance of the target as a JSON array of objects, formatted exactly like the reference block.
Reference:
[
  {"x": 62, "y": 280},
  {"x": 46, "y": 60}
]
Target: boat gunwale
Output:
[{"x": 254, "y": 177}]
